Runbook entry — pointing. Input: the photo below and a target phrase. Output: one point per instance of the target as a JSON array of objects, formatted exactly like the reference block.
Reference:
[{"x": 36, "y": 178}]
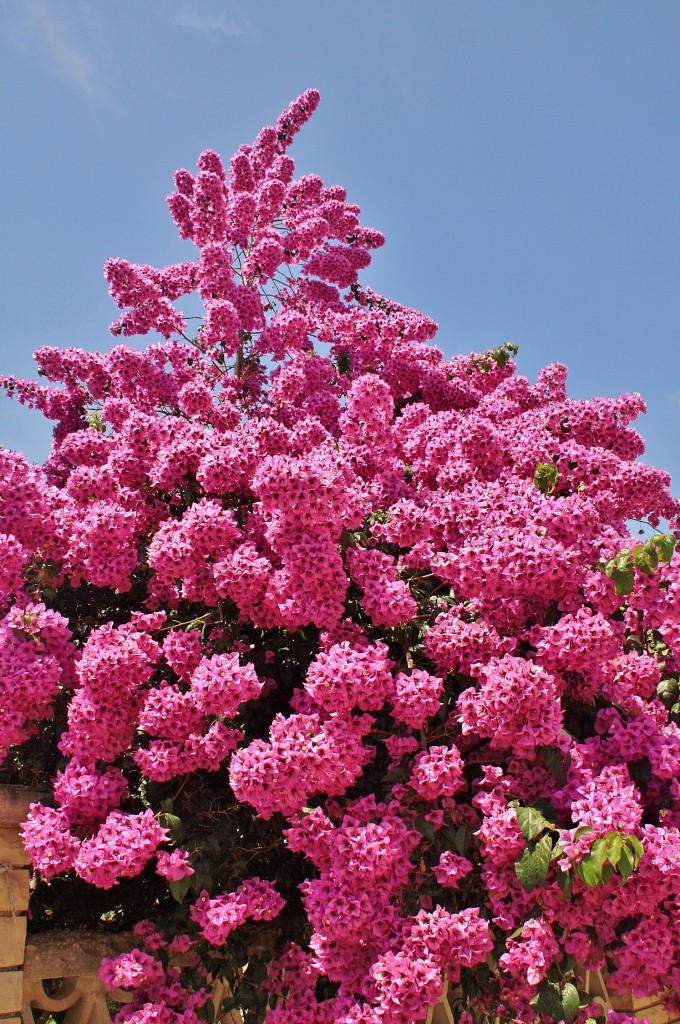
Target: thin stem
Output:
[{"x": 186, "y": 779}]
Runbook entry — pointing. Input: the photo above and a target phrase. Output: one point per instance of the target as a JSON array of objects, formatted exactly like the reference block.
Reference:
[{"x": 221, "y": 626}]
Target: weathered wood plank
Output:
[
  {"x": 14, "y": 890},
  {"x": 11, "y": 990},
  {"x": 15, "y": 801},
  {"x": 68, "y": 954},
  {"x": 11, "y": 849},
  {"x": 12, "y": 941}
]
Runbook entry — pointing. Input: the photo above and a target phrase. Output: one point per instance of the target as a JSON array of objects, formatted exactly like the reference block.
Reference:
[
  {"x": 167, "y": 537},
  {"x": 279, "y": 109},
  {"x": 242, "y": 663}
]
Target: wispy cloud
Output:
[
  {"x": 58, "y": 51},
  {"x": 211, "y": 25}
]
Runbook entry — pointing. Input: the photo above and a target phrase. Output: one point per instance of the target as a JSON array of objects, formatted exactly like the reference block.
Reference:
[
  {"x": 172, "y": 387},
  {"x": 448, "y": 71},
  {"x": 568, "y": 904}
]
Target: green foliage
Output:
[
  {"x": 620, "y": 570},
  {"x": 172, "y": 823},
  {"x": 665, "y": 545},
  {"x": 545, "y": 477},
  {"x": 425, "y": 829},
  {"x": 556, "y": 762},
  {"x": 180, "y": 889},
  {"x": 531, "y": 822},
  {"x": 668, "y": 692},
  {"x": 95, "y": 421},
  {"x": 644, "y": 557},
  {"x": 500, "y": 356},
  {"x": 559, "y": 1001},
  {"x": 503, "y": 353},
  {"x": 615, "y": 853},
  {"x": 532, "y": 867}
]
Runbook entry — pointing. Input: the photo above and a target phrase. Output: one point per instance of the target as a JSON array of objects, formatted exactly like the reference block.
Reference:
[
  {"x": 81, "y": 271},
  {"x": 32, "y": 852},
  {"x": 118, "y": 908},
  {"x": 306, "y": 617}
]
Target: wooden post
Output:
[{"x": 14, "y": 889}]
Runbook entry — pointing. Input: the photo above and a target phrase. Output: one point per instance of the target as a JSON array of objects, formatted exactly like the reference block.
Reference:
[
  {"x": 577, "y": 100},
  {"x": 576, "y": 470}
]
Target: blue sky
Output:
[{"x": 522, "y": 157}]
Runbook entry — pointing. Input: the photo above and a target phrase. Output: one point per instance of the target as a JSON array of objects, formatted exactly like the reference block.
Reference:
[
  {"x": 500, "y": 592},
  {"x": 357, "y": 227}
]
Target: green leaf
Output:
[
  {"x": 548, "y": 1001},
  {"x": 524, "y": 871},
  {"x": 625, "y": 865},
  {"x": 588, "y": 873},
  {"x": 96, "y": 422},
  {"x": 640, "y": 771},
  {"x": 614, "y": 843},
  {"x": 565, "y": 880},
  {"x": 570, "y": 1002},
  {"x": 502, "y": 354},
  {"x": 620, "y": 571},
  {"x": 645, "y": 557},
  {"x": 229, "y": 1004},
  {"x": 531, "y": 821},
  {"x": 172, "y": 823},
  {"x": 553, "y": 760},
  {"x": 461, "y": 839},
  {"x": 664, "y": 544},
  {"x": 622, "y": 560},
  {"x": 656, "y": 644},
  {"x": 598, "y": 855},
  {"x": 532, "y": 867},
  {"x": 179, "y": 889},
  {"x": 425, "y": 829},
  {"x": 623, "y": 580},
  {"x": 545, "y": 477},
  {"x": 636, "y": 846},
  {"x": 667, "y": 691},
  {"x": 568, "y": 966},
  {"x": 541, "y": 857}
]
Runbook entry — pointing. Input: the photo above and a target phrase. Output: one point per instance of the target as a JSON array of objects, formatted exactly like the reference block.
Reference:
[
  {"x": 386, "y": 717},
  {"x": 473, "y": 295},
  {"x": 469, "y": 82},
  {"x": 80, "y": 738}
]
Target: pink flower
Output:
[
  {"x": 130, "y": 970},
  {"x": 120, "y": 848},
  {"x": 217, "y": 918},
  {"x": 533, "y": 953},
  {"x": 427, "y": 556},
  {"x": 437, "y": 772},
  {"x": 451, "y": 868},
  {"x": 173, "y": 866},
  {"x": 416, "y": 697}
]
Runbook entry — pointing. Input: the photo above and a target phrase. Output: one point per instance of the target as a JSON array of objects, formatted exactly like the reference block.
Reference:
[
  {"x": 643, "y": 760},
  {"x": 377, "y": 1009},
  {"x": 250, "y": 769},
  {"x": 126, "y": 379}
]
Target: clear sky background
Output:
[{"x": 522, "y": 157}]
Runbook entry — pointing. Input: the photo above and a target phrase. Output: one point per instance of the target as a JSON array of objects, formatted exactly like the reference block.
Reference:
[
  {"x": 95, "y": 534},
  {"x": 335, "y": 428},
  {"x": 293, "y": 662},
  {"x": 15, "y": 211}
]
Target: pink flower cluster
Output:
[
  {"x": 217, "y": 918},
  {"x": 306, "y": 598},
  {"x": 437, "y": 772},
  {"x": 88, "y": 794},
  {"x": 36, "y": 658},
  {"x": 158, "y": 993},
  {"x": 517, "y": 706},
  {"x": 174, "y": 866},
  {"x": 305, "y": 756},
  {"x": 387, "y": 600},
  {"x": 120, "y": 848}
]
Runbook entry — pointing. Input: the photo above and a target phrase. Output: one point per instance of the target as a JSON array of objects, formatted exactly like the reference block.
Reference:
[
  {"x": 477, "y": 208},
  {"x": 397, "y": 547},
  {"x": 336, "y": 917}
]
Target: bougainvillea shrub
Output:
[{"x": 345, "y": 669}]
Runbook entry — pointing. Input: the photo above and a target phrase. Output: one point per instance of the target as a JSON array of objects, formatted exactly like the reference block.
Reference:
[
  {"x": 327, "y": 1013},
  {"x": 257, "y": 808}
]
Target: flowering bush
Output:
[{"x": 346, "y": 672}]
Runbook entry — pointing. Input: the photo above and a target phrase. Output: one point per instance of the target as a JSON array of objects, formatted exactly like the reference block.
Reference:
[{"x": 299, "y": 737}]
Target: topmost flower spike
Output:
[
  {"x": 252, "y": 228},
  {"x": 337, "y": 653}
]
